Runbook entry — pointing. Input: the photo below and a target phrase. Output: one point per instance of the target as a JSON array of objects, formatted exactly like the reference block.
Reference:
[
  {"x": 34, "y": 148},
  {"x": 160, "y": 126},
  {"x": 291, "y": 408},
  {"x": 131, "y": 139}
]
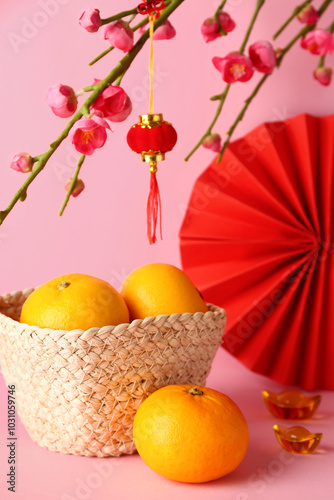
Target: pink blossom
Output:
[
  {"x": 113, "y": 103},
  {"x": 88, "y": 134},
  {"x": 90, "y": 20},
  {"x": 164, "y": 32},
  {"x": 263, "y": 56},
  {"x": 323, "y": 75},
  {"x": 22, "y": 162},
  {"x": 62, "y": 100},
  {"x": 79, "y": 186},
  {"x": 213, "y": 142},
  {"x": 234, "y": 67},
  {"x": 210, "y": 28},
  {"x": 308, "y": 15},
  {"x": 318, "y": 42},
  {"x": 120, "y": 35}
]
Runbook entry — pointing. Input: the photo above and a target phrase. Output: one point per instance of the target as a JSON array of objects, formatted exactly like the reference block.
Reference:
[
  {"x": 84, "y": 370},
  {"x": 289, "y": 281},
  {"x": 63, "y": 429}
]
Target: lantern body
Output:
[{"x": 152, "y": 136}]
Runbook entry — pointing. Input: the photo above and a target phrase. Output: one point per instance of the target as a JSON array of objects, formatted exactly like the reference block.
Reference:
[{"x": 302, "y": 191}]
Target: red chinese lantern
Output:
[{"x": 152, "y": 137}]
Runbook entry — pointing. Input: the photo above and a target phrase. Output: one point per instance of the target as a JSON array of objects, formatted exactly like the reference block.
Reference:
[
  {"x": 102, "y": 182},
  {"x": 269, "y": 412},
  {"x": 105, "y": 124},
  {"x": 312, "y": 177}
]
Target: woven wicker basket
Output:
[{"x": 78, "y": 391}]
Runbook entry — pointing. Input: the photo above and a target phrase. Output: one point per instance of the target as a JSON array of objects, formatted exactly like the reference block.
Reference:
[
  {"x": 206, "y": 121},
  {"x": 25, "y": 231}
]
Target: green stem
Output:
[
  {"x": 291, "y": 18},
  {"x": 259, "y": 5},
  {"x": 241, "y": 114},
  {"x": 119, "y": 79},
  {"x": 139, "y": 25},
  {"x": 221, "y": 99},
  {"x": 264, "y": 78},
  {"x": 125, "y": 13},
  {"x": 72, "y": 184},
  {"x": 121, "y": 67},
  {"x": 109, "y": 49},
  {"x": 216, "y": 16},
  {"x": 135, "y": 28},
  {"x": 222, "y": 96},
  {"x": 331, "y": 28},
  {"x": 104, "y": 53},
  {"x": 132, "y": 12},
  {"x": 300, "y": 34},
  {"x": 323, "y": 7},
  {"x": 85, "y": 89},
  {"x": 221, "y": 6}
]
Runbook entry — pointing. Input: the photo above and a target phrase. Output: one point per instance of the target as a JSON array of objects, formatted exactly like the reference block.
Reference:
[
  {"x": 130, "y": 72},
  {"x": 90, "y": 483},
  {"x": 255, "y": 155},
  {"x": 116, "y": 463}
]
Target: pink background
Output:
[{"x": 103, "y": 231}]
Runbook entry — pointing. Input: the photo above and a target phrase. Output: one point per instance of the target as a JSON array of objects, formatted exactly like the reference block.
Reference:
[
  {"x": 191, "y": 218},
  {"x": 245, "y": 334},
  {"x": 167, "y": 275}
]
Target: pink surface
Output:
[
  {"x": 267, "y": 472},
  {"x": 103, "y": 231}
]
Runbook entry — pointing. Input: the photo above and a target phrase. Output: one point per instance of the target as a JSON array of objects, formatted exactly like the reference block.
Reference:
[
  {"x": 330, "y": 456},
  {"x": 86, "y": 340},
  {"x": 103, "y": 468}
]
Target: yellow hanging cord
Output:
[{"x": 152, "y": 19}]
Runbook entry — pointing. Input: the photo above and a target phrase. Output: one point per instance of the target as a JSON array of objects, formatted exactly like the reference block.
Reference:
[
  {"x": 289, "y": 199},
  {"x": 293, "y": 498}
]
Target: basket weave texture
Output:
[{"x": 77, "y": 391}]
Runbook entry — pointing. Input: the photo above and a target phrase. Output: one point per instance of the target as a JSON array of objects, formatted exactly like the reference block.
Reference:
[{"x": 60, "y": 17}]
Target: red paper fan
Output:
[{"x": 257, "y": 239}]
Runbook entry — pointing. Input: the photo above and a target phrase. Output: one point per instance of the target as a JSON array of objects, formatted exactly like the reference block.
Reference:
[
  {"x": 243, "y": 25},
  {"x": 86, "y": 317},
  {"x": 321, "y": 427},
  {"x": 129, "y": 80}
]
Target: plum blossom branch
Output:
[
  {"x": 216, "y": 16},
  {"x": 132, "y": 12},
  {"x": 302, "y": 32},
  {"x": 259, "y": 5},
  {"x": 223, "y": 95},
  {"x": 240, "y": 116},
  {"x": 109, "y": 49},
  {"x": 294, "y": 14},
  {"x": 72, "y": 183},
  {"x": 125, "y": 13},
  {"x": 121, "y": 67}
]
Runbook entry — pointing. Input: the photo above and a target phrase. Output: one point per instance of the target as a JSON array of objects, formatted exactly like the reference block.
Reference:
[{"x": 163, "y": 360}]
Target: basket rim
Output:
[{"x": 214, "y": 312}]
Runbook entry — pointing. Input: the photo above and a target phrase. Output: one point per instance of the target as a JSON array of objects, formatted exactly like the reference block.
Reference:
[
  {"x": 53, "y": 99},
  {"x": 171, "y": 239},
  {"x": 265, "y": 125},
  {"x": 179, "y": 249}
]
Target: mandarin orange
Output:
[
  {"x": 155, "y": 289},
  {"x": 74, "y": 301},
  {"x": 190, "y": 434}
]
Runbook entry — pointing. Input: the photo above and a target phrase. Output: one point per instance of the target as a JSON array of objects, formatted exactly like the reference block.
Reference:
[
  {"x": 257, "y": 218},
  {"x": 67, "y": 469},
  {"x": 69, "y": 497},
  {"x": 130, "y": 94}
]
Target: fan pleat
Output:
[{"x": 257, "y": 239}]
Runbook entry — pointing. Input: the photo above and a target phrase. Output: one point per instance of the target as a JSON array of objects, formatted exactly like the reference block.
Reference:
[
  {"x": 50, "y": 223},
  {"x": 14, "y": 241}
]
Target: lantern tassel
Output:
[{"x": 153, "y": 206}]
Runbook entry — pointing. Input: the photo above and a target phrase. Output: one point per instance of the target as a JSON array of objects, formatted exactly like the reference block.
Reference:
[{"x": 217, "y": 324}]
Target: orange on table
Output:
[
  {"x": 74, "y": 301},
  {"x": 190, "y": 433},
  {"x": 158, "y": 288}
]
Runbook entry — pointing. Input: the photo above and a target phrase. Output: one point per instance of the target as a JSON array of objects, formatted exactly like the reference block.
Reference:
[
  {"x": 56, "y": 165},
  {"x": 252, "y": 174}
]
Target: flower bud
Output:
[
  {"x": 120, "y": 35},
  {"x": 263, "y": 56},
  {"x": 90, "y": 20},
  {"x": 114, "y": 104},
  {"x": 22, "y": 162},
  {"x": 210, "y": 28},
  {"x": 164, "y": 32},
  {"x": 308, "y": 15},
  {"x": 213, "y": 142},
  {"x": 62, "y": 100},
  {"x": 323, "y": 75},
  {"x": 79, "y": 186}
]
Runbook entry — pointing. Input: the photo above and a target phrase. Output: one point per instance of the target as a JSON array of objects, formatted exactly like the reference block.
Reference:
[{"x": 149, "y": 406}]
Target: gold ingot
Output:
[
  {"x": 291, "y": 404},
  {"x": 297, "y": 439}
]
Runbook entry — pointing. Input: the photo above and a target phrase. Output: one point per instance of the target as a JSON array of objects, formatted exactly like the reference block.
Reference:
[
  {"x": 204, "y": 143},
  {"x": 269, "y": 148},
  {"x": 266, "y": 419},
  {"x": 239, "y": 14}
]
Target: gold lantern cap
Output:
[
  {"x": 152, "y": 156},
  {"x": 151, "y": 119}
]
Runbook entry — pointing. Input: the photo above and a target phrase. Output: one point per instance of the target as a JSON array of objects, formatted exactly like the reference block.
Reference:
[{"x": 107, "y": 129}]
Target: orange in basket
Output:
[{"x": 74, "y": 301}]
